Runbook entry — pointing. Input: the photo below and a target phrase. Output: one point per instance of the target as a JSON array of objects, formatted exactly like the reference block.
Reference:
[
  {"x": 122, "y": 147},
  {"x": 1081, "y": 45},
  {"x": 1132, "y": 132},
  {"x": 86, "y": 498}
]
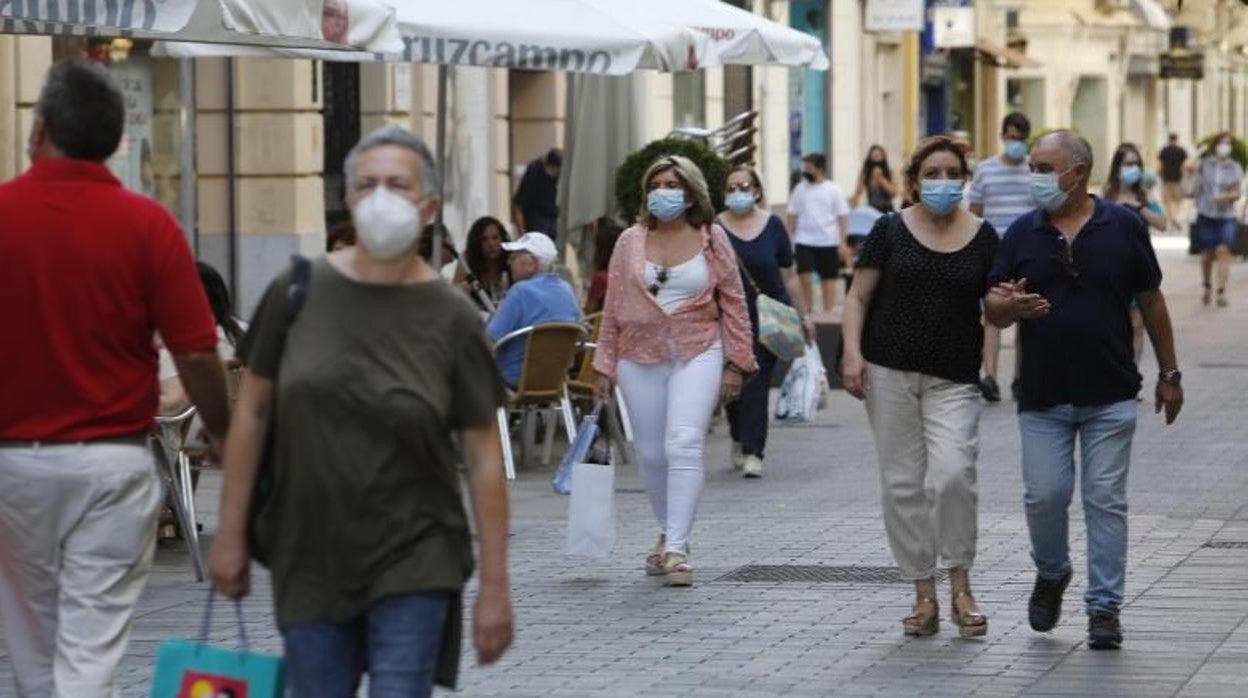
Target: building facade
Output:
[{"x": 248, "y": 152}]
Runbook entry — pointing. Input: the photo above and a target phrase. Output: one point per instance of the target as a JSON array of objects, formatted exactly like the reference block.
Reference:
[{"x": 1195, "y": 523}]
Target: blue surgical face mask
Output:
[
  {"x": 1015, "y": 150},
  {"x": 666, "y": 204},
  {"x": 1047, "y": 190},
  {"x": 1130, "y": 174},
  {"x": 740, "y": 202},
  {"x": 940, "y": 196}
]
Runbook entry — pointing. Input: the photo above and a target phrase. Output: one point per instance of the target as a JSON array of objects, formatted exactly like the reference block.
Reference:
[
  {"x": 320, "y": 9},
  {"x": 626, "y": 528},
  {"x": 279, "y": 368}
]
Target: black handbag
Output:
[{"x": 266, "y": 475}]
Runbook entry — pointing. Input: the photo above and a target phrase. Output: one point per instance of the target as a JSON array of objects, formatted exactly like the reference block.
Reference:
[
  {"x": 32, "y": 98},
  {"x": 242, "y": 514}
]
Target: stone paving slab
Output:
[{"x": 602, "y": 628}]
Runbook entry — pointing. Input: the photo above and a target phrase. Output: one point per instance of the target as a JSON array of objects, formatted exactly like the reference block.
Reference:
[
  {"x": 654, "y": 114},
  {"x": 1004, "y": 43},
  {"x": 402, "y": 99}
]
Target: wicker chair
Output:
[
  {"x": 581, "y": 387},
  {"x": 549, "y": 351}
]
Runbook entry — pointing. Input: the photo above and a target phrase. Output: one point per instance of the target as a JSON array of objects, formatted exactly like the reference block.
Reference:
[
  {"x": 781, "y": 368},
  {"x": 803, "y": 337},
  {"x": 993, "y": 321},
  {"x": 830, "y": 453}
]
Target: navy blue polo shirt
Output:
[{"x": 1080, "y": 353}]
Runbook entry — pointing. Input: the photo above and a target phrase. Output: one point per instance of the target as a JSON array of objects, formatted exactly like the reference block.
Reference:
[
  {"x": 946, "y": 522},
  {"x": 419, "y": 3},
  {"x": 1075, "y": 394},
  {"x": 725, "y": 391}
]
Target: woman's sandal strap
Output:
[
  {"x": 967, "y": 618},
  {"x": 919, "y": 617}
]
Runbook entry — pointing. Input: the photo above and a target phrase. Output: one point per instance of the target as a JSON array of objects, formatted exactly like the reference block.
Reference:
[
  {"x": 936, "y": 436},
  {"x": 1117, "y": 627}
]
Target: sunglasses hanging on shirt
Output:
[{"x": 660, "y": 277}]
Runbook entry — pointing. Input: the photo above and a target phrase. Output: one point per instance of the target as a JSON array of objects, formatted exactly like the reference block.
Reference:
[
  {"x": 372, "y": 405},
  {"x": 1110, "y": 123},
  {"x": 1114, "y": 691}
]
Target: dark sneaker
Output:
[
  {"x": 1104, "y": 631},
  {"x": 988, "y": 386},
  {"x": 1045, "y": 607}
]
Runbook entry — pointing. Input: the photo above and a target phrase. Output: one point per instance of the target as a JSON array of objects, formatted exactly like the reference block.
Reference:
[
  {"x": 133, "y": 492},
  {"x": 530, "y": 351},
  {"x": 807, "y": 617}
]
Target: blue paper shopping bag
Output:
[{"x": 194, "y": 669}]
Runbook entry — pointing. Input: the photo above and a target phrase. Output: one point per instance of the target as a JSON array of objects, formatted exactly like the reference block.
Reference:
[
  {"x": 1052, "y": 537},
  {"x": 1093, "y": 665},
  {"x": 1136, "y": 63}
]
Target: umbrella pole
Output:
[{"x": 441, "y": 154}]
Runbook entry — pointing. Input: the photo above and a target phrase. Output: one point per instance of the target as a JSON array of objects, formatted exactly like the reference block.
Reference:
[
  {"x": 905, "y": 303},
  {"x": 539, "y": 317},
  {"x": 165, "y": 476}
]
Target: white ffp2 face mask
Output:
[{"x": 386, "y": 223}]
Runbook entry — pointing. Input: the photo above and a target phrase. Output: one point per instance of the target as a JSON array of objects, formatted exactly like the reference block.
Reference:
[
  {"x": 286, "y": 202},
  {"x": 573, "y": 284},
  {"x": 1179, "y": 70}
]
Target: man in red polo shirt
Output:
[{"x": 92, "y": 273}]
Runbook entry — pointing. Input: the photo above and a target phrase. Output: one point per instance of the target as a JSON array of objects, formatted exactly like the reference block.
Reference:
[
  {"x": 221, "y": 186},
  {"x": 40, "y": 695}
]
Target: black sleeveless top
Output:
[{"x": 925, "y": 313}]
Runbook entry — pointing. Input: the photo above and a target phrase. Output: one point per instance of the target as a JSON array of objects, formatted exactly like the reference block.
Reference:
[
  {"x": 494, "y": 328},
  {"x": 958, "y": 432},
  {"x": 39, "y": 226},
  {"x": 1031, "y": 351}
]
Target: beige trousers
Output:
[
  {"x": 77, "y": 536},
  {"x": 927, "y": 440}
]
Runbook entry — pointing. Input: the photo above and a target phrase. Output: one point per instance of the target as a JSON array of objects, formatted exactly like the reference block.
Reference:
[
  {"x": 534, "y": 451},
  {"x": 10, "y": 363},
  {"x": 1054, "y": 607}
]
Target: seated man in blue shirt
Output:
[{"x": 536, "y": 296}]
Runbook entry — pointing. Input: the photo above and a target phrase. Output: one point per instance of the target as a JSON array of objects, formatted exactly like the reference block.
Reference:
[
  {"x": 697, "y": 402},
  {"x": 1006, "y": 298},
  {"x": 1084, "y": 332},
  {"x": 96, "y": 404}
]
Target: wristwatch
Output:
[{"x": 1173, "y": 377}]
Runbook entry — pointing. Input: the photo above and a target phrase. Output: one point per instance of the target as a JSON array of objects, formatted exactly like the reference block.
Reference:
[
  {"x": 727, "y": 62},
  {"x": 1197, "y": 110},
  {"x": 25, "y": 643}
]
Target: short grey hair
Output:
[
  {"x": 1077, "y": 148},
  {"x": 401, "y": 137}
]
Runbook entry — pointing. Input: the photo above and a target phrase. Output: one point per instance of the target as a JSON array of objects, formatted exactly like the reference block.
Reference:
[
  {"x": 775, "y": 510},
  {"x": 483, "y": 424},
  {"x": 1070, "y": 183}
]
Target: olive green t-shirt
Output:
[{"x": 374, "y": 381}]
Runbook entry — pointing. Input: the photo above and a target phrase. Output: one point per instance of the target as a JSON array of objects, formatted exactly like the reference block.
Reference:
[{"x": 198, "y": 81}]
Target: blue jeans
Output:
[
  {"x": 396, "y": 642},
  {"x": 1104, "y": 433}
]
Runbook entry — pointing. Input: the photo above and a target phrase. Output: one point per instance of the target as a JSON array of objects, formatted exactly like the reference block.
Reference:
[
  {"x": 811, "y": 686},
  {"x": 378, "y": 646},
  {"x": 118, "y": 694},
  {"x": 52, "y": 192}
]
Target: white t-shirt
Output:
[{"x": 818, "y": 206}]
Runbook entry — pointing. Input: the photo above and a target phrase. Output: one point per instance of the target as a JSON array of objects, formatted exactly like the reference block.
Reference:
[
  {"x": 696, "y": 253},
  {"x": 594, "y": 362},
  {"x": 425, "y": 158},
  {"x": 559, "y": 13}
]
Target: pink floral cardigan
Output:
[{"x": 634, "y": 327}]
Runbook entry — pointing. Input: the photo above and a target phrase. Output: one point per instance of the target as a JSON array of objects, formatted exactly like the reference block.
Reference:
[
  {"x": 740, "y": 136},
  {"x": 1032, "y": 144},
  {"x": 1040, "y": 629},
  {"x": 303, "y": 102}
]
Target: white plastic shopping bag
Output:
[
  {"x": 591, "y": 511},
  {"x": 816, "y": 365},
  {"x": 802, "y": 389}
]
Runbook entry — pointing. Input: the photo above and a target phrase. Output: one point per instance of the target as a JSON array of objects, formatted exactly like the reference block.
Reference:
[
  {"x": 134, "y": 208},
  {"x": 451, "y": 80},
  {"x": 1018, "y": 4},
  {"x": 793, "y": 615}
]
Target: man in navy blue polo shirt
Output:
[{"x": 1067, "y": 272}]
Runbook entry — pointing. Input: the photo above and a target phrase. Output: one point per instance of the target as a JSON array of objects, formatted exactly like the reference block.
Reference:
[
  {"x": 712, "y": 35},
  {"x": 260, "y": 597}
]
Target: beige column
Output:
[
  {"x": 24, "y": 60},
  {"x": 851, "y": 112},
  {"x": 279, "y": 194},
  {"x": 537, "y": 104},
  {"x": 771, "y": 100},
  {"x": 8, "y": 108},
  {"x": 659, "y": 104},
  {"x": 385, "y": 95}
]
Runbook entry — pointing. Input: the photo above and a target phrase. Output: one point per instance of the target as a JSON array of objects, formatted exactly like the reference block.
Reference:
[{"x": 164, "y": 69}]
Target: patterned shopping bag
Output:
[{"x": 194, "y": 669}]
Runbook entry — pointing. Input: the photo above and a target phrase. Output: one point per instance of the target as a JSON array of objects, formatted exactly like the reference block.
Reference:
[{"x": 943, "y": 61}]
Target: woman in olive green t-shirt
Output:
[{"x": 364, "y": 532}]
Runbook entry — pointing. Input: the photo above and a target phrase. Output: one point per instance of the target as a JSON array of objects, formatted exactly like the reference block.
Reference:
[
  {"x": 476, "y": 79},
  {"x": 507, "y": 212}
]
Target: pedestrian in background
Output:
[
  {"x": 1125, "y": 187},
  {"x": 818, "y": 220},
  {"x": 1067, "y": 273},
  {"x": 913, "y": 342},
  {"x": 1000, "y": 193},
  {"x": 606, "y": 235},
  {"x": 876, "y": 182},
  {"x": 1171, "y": 158},
  {"x": 676, "y": 336},
  {"x": 535, "y": 206},
  {"x": 766, "y": 255},
  {"x": 93, "y": 270},
  {"x": 1217, "y": 182},
  {"x": 364, "y": 533},
  {"x": 485, "y": 261},
  {"x": 537, "y": 296}
]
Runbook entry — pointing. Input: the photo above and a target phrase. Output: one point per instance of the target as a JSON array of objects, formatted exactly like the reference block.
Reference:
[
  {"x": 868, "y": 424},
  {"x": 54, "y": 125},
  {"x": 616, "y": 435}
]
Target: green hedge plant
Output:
[{"x": 628, "y": 195}]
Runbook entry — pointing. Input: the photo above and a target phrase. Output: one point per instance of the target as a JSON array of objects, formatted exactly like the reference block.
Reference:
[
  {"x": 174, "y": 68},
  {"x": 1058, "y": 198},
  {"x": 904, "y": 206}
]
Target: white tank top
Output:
[{"x": 679, "y": 284}]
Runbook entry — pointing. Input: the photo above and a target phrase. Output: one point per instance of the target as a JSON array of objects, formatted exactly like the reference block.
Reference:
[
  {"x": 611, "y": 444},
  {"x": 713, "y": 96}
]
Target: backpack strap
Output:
[{"x": 297, "y": 291}]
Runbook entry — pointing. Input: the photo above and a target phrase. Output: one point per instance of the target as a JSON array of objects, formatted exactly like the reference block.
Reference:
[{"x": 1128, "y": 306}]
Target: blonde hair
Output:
[{"x": 691, "y": 179}]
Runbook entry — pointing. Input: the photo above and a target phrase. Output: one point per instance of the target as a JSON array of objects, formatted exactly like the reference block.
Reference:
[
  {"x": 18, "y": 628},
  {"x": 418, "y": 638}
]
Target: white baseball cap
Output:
[{"x": 537, "y": 244}]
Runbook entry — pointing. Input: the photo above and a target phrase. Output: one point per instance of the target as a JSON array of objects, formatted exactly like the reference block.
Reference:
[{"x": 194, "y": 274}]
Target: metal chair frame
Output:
[
  {"x": 174, "y": 468},
  {"x": 528, "y": 426},
  {"x": 733, "y": 141}
]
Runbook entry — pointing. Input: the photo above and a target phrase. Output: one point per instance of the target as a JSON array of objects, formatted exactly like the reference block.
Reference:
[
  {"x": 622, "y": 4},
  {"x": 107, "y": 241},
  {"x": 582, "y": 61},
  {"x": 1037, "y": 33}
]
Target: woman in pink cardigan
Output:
[{"x": 676, "y": 336}]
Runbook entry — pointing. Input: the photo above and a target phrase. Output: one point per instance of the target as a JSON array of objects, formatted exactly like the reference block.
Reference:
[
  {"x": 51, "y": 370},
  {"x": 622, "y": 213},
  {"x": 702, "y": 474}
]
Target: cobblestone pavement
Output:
[{"x": 604, "y": 629}]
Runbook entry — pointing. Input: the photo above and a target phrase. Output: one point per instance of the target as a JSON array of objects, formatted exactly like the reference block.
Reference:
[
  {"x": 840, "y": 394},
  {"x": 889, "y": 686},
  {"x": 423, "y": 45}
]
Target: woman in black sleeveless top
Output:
[{"x": 913, "y": 343}]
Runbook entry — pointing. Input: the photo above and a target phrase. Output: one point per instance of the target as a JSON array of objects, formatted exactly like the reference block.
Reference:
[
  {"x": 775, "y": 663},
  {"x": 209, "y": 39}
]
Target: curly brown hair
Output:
[{"x": 928, "y": 147}]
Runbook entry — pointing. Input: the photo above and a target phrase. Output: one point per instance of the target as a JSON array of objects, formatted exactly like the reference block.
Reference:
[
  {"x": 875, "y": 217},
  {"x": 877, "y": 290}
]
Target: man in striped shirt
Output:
[{"x": 1000, "y": 193}]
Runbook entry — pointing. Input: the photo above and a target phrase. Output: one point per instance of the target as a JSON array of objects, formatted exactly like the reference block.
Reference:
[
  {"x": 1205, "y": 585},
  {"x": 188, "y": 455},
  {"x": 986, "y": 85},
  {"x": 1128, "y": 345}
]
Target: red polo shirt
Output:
[{"x": 90, "y": 273}]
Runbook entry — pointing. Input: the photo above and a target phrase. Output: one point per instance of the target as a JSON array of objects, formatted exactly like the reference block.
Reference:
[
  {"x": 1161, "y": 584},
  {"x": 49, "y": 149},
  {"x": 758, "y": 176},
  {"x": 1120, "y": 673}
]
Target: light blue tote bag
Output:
[{"x": 194, "y": 669}]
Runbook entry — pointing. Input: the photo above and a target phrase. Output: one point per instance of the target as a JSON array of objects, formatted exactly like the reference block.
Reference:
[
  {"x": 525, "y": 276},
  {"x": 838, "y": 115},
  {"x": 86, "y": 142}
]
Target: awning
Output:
[
  {"x": 1004, "y": 56},
  {"x": 604, "y": 37},
  {"x": 367, "y": 25},
  {"x": 1152, "y": 14}
]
